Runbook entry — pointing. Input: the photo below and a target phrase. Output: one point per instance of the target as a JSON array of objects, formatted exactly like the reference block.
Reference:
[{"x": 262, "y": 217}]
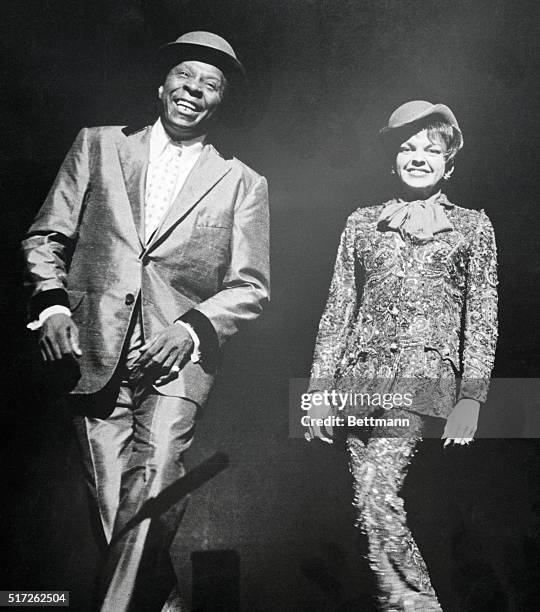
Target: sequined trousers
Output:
[{"x": 378, "y": 467}]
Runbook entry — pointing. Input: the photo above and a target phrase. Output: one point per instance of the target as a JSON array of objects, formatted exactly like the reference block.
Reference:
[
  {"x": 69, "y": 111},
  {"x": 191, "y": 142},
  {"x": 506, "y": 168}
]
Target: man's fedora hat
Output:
[
  {"x": 203, "y": 47},
  {"x": 417, "y": 110}
]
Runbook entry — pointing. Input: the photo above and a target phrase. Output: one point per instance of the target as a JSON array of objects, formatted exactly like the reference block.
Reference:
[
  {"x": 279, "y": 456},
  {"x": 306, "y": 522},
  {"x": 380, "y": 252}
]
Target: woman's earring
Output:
[
  {"x": 448, "y": 174},
  {"x": 392, "y": 171}
]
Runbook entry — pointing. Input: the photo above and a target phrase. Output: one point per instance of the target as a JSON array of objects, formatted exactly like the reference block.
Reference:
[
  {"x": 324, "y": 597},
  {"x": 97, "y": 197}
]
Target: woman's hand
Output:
[
  {"x": 462, "y": 422},
  {"x": 320, "y": 408}
]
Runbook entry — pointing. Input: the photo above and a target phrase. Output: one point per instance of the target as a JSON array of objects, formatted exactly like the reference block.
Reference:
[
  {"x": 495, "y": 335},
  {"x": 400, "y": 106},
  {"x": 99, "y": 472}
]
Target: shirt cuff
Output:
[
  {"x": 208, "y": 337},
  {"x": 45, "y": 314},
  {"x": 196, "y": 352},
  {"x": 44, "y": 299},
  {"x": 476, "y": 389}
]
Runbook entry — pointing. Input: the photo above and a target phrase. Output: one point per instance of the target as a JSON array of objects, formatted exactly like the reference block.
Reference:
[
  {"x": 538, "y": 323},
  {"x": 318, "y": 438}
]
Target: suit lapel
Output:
[
  {"x": 207, "y": 172},
  {"x": 133, "y": 152}
]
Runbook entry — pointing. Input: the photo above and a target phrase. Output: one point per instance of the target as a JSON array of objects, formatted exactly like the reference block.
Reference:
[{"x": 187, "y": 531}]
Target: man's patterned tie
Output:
[{"x": 161, "y": 181}]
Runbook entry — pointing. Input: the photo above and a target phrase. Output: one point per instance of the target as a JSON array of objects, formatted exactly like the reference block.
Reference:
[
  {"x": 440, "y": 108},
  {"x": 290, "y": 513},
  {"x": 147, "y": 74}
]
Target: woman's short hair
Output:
[{"x": 442, "y": 132}]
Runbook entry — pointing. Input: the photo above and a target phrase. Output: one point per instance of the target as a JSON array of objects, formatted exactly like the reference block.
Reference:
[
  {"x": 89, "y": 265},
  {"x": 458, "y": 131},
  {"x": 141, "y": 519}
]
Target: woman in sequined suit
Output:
[{"x": 412, "y": 304}]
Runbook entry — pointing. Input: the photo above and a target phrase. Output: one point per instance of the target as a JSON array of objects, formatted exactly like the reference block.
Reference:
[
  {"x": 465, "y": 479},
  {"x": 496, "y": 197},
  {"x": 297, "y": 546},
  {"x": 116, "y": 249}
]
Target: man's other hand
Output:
[
  {"x": 58, "y": 338},
  {"x": 164, "y": 355}
]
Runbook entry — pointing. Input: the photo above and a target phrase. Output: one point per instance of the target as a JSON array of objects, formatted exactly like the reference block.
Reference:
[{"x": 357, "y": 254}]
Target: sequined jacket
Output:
[{"x": 409, "y": 310}]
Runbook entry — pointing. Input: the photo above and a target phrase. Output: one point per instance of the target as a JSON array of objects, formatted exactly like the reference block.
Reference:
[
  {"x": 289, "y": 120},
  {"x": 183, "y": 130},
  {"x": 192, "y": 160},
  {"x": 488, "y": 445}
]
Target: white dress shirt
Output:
[
  {"x": 191, "y": 151},
  {"x": 166, "y": 156}
]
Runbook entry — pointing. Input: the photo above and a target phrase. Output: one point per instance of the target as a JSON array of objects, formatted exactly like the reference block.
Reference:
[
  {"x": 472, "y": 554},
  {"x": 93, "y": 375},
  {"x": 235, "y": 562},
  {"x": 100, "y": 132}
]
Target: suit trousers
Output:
[
  {"x": 378, "y": 466},
  {"x": 132, "y": 441}
]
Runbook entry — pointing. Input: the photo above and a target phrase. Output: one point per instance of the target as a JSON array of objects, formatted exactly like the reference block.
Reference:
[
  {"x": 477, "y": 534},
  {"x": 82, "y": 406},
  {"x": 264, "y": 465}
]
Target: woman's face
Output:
[{"x": 420, "y": 165}]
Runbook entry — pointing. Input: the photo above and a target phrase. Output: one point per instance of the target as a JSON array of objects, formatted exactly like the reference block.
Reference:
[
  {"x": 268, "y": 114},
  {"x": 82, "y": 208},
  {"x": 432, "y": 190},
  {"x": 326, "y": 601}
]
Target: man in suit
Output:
[{"x": 149, "y": 252}]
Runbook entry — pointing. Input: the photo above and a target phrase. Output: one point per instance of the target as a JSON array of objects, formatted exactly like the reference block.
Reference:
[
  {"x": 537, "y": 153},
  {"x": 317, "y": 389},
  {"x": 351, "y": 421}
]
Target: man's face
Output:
[
  {"x": 190, "y": 96},
  {"x": 420, "y": 165}
]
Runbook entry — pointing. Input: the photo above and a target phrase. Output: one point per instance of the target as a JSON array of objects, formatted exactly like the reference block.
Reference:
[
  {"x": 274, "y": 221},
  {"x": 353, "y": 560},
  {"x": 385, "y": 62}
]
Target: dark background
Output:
[{"x": 325, "y": 75}]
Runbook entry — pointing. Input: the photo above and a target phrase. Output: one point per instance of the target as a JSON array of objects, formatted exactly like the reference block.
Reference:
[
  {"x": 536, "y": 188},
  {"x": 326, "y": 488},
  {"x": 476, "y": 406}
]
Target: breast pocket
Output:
[{"x": 212, "y": 217}]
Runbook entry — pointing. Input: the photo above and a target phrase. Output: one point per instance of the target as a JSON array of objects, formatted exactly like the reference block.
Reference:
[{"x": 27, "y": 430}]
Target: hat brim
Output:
[
  {"x": 171, "y": 54},
  {"x": 436, "y": 109}
]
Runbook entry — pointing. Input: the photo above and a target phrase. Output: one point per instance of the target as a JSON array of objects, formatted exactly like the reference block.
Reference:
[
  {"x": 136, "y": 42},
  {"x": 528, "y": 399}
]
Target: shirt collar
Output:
[{"x": 160, "y": 140}]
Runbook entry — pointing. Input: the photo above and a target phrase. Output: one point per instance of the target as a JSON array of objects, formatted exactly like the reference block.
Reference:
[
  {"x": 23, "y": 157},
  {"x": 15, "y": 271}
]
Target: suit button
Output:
[{"x": 130, "y": 298}]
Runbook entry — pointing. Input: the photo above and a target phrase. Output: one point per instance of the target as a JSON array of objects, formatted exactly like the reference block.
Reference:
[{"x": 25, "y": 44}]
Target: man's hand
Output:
[
  {"x": 462, "y": 422},
  {"x": 164, "y": 355},
  {"x": 58, "y": 338}
]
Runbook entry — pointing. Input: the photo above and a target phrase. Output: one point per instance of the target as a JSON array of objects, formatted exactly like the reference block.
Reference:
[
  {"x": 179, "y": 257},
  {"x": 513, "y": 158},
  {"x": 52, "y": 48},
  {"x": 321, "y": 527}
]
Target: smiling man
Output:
[
  {"x": 191, "y": 94},
  {"x": 149, "y": 252}
]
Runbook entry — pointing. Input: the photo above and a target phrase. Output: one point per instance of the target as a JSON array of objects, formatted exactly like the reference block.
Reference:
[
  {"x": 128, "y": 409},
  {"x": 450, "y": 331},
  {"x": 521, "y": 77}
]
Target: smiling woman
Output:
[
  {"x": 426, "y": 157},
  {"x": 420, "y": 165},
  {"x": 414, "y": 282}
]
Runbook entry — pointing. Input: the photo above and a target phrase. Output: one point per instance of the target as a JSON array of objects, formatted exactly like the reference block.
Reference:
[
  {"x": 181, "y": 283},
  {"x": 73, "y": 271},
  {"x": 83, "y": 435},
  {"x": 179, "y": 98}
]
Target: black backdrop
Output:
[{"x": 325, "y": 74}]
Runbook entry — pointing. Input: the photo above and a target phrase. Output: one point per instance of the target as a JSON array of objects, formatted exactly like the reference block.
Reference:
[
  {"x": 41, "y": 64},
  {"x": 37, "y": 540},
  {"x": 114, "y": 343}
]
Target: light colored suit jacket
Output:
[{"x": 209, "y": 254}]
